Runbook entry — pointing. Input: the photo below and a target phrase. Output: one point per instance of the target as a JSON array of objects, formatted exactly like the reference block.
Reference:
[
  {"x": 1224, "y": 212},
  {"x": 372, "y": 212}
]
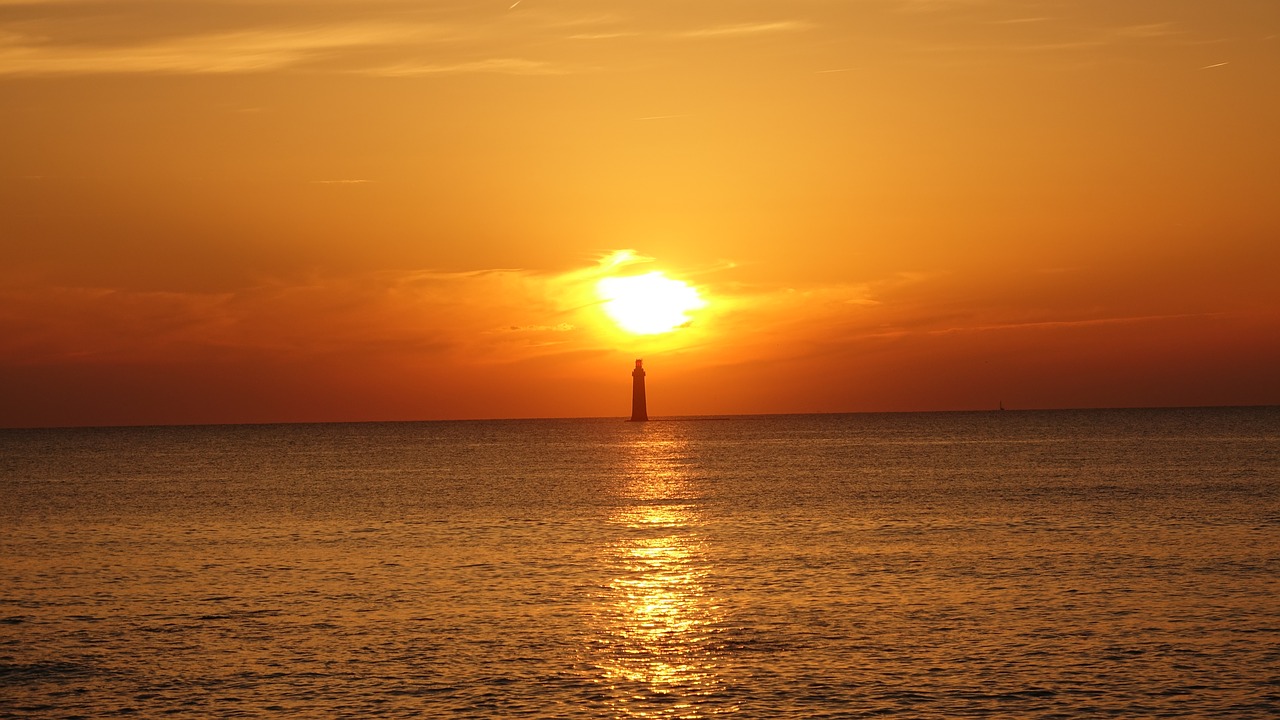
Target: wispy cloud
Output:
[
  {"x": 234, "y": 52},
  {"x": 1146, "y": 30},
  {"x": 500, "y": 66},
  {"x": 1072, "y": 323},
  {"x": 1046, "y": 39},
  {"x": 560, "y": 328},
  {"x": 603, "y": 36},
  {"x": 927, "y": 6},
  {"x": 1020, "y": 21},
  {"x": 482, "y": 316},
  {"x": 781, "y": 26}
]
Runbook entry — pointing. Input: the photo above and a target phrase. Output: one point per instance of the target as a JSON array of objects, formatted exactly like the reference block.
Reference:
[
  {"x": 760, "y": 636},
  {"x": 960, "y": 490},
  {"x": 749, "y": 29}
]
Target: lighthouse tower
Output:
[{"x": 639, "y": 409}]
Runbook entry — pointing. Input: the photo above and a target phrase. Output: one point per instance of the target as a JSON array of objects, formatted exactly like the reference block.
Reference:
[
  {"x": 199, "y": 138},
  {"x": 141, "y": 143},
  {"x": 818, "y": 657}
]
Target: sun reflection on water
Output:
[{"x": 660, "y": 619}]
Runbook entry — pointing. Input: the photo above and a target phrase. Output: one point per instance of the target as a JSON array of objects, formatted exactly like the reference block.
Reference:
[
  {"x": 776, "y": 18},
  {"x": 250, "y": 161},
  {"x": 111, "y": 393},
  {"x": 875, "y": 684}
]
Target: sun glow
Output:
[{"x": 648, "y": 304}]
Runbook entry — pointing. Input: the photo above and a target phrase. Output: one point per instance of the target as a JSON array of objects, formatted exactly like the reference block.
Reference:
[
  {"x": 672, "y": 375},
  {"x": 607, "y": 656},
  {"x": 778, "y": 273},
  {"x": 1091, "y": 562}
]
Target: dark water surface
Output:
[{"x": 952, "y": 565}]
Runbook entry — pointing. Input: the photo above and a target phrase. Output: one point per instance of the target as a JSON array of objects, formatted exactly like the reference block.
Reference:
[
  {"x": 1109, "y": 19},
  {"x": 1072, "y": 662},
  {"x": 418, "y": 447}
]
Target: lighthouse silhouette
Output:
[{"x": 639, "y": 408}]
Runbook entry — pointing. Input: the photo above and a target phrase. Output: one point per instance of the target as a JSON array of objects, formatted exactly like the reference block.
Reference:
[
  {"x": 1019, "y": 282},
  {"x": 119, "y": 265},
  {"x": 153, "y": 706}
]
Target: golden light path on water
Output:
[{"x": 660, "y": 656}]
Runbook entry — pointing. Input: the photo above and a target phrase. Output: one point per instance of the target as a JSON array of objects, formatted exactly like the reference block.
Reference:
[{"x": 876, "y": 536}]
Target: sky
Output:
[{"x": 225, "y": 211}]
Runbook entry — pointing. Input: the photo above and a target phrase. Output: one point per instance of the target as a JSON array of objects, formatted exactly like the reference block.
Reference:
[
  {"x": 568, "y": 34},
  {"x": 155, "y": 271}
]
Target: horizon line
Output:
[{"x": 623, "y": 418}]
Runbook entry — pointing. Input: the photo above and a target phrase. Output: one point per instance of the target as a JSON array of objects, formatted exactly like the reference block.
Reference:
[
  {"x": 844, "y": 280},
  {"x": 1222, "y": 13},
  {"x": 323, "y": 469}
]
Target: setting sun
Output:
[{"x": 648, "y": 304}]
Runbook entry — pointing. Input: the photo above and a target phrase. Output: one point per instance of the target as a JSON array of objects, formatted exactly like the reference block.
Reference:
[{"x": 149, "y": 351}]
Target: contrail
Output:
[
  {"x": 514, "y": 4},
  {"x": 1206, "y": 67}
]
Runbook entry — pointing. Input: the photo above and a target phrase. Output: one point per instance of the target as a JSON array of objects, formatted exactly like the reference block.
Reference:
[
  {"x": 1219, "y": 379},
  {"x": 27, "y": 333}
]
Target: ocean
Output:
[{"x": 1021, "y": 564}]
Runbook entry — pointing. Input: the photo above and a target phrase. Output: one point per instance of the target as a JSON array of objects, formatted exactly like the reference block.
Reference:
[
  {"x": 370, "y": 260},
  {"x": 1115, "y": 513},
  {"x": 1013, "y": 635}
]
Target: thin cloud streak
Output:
[
  {"x": 783, "y": 26},
  {"x": 603, "y": 36},
  {"x": 237, "y": 52},
  {"x": 478, "y": 317},
  {"x": 1088, "y": 322},
  {"x": 1159, "y": 33},
  {"x": 498, "y": 66}
]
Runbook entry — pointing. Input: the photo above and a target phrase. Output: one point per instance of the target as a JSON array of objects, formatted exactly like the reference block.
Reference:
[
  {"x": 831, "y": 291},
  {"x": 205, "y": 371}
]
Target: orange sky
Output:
[{"x": 293, "y": 210}]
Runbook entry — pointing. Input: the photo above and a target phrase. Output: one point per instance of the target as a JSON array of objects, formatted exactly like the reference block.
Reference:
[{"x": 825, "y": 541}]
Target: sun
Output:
[{"x": 648, "y": 304}]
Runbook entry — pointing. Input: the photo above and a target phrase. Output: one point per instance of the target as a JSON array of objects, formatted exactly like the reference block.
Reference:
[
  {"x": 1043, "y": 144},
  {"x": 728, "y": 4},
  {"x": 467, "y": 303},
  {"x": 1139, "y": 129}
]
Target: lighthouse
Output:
[{"x": 639, "y": 409}]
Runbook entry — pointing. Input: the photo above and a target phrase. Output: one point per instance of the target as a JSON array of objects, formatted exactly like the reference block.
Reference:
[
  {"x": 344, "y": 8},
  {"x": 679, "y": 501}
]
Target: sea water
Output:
[{"x": 952, "y": 565}]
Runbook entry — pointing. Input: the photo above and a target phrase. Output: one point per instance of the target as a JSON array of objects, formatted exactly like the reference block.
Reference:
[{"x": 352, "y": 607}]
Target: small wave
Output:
[{"x": 42, "y": 671}]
